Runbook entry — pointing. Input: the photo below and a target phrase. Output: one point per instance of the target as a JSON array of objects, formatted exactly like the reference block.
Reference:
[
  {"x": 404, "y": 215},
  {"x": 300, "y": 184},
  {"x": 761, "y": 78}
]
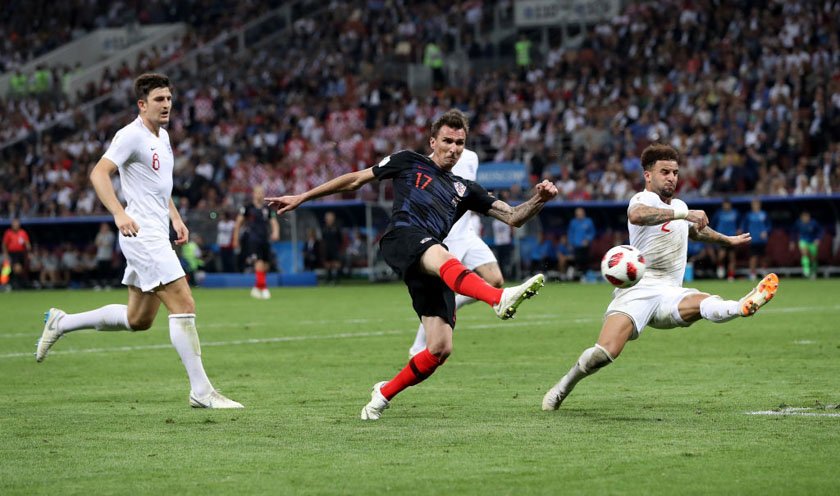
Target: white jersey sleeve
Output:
[
  {"x": 665, "y": 246},
  {"x": 470, "y": 223}
]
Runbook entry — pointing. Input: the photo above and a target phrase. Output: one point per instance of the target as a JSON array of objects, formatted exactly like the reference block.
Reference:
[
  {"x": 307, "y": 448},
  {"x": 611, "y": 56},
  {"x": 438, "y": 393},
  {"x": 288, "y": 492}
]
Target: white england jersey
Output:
[
  {"x": 145, "y": 163},
  {"x": 470, "y": 223},
  {"x": 664, "y": 246}
]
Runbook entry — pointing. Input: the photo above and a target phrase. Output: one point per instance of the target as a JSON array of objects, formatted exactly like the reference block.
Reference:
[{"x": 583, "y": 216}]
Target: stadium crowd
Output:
[{"x": 750, "y": 95}]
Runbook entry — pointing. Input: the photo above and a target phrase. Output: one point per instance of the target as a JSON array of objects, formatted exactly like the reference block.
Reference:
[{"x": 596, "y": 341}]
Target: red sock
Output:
[
  {"x": 419, "y": 368},
  {"x": 465, "y": 282},
  {"x": 260, "y": 284}
]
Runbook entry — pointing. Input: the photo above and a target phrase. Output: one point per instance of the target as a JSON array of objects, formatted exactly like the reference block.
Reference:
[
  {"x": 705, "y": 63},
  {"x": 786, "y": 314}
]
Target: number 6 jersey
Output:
[{"x": 145, "y": 163}]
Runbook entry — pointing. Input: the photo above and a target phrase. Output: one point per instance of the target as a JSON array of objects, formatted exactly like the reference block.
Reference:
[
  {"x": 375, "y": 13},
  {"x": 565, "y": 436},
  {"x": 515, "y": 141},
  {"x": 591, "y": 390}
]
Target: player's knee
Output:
[
  {"x": 496, "y": 281},
  {"x": 441, "y": 351},
  {"x": 141, "y": 323}
]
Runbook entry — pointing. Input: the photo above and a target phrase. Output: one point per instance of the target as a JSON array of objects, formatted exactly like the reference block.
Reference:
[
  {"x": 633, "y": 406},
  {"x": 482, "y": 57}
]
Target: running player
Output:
[
  {"x": 428, "y": 200},
  {"x": 142, "y": 154},
  {"x": 660, "y": 226}
]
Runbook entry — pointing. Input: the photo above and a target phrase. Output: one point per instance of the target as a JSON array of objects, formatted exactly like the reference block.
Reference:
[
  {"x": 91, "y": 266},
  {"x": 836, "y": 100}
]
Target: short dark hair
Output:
[
  {"x": 453, "y": 118},
  {"x": 656, "y": 152},
  {"x": 145, "y": 83}
]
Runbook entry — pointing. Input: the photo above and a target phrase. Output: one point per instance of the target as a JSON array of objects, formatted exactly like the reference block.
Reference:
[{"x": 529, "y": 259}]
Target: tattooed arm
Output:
[
  {"x": 709, "y": 235},
  {"x": 645, "y": 215},
  {"x": 518, "y": 215}
]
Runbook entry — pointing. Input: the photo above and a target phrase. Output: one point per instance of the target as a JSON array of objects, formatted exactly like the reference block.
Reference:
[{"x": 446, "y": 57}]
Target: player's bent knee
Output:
[{"x": 140, "y": 324}]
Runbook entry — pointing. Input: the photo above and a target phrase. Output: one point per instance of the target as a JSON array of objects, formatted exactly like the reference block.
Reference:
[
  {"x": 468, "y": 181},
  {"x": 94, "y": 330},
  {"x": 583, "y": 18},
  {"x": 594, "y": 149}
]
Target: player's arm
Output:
[
  {"x": 181, "y": 232},
  {"x": 346, "y": 182},
  {"x": 645, "y": 215},
  {"x": 275, "y": 228},
  {"x": 520, "y": 214},
  {"x": 100, "y": 178},
  {"x": 709, "y": 235}
]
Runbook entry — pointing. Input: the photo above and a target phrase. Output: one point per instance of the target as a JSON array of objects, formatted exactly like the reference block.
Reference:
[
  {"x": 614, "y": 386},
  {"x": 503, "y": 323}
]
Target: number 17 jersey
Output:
[{"x": 428, "y": 197}]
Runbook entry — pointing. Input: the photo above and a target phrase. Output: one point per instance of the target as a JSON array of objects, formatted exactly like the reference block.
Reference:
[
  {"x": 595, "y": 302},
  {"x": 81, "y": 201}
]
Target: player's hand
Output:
[
  {"x": 126, "y": 225},
  {"x": 182, "y": 234},
  {"x": 698, "y": 218},
  {"x": 284, "y": 204},
  {"x": 741, "y": 239},
  {"x": 546, "y": 190}
]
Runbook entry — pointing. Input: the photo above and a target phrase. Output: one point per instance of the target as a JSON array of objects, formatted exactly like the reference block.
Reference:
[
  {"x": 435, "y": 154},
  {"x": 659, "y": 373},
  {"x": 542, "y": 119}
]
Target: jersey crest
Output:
[{"x": 460, "y": 188}]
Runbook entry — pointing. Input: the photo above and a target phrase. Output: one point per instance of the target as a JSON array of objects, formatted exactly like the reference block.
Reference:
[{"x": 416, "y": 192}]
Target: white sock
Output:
[
  {"x": 590, "y": 361},
  {"x": 184, "y": 337},
  {"x": 420, "y": 338},
  {"x": 107, "y": 318},
  {"x": 718, "y": 310},
  {"x": 461, "y": 300}
]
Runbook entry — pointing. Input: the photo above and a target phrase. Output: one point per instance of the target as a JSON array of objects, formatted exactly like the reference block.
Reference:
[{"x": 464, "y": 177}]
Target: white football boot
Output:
[
  {"x": 256, "y": 293},
  {"x": 760, "y": 295},
  {"x": 214, "y": 400},
  {"x": 513, "y": 296},
  {"x": 50, "y": 334},
  {"x": 378, "y": 403},
  {"x": 553, "y": 398},
  {"x": 265, "y": 294}
]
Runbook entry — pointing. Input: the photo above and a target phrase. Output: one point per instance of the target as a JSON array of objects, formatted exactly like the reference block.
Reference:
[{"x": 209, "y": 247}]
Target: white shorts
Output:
[
  {"x": 471, "y": 251},
  {"x": 656, "y": 306},
  {"x": 150, "y": 262}
]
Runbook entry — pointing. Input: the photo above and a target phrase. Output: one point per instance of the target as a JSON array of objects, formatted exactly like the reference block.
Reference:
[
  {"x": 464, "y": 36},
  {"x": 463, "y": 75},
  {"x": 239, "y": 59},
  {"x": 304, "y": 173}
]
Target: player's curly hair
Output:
[
  {"x": 656, "y": 152},
  {"x": 145, "y": 83},
  {"x": 453, "y": 118}
]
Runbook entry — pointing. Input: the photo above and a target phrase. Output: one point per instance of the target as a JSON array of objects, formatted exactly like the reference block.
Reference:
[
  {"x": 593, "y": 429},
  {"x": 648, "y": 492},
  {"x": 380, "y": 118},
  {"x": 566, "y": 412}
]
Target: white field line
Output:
[
  {"x": 278, "y": 339},
  {"x": 798, "y": 412},
  {"x": 532, "y": 320}
]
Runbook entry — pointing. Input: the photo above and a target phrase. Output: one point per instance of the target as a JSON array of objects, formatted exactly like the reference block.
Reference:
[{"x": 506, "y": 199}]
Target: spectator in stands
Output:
[
  {"x": 581, "y": 234},
  {"x": 16, "y": 248},
  {"x": 542, "y": 256},
  {"x": 725, "y": 221},
  {"x": 565, "y": 257},
  {"x": 757, "y": 223},
  {"x": 311, "y": 250},
  {"x": 333, "y": 241},
  {"x": 503, "y": 242},
  {"x": 809, "y": 233},
  {"x": 192, "y": 258},
  {"x": 224, "y": 240},
  {"x": 104, "y": 243},
  {"x": 355, "y": 255}
]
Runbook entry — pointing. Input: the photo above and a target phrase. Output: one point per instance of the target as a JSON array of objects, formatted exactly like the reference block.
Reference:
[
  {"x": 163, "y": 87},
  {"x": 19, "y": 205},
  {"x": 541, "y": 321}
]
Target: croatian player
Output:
[
  {"x": 467, "y": 246},
  {"x": 660, "y": 226},
  {"x": 428, "y": 200},
  {"x": 142, "y": 154}
]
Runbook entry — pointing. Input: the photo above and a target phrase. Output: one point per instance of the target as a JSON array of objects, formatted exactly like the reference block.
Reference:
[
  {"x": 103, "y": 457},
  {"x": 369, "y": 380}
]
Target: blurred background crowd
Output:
[{"x": 748, "y": 91}]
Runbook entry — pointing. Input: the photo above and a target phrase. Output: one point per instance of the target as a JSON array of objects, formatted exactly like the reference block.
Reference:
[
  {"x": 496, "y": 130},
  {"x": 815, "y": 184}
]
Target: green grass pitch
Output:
[{"x": 107, "y": 413}]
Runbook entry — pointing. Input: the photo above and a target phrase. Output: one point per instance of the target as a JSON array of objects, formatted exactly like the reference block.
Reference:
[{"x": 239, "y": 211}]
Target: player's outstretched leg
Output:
[
  {"x": 590, "y": 361},
  {"x": 50, "y": 334},
  {"x": 58, "y": 323},
  {"x": 760, "y": 295},
  {"x": 514, "y": 296},
  {"x": 373, "y": 410}
]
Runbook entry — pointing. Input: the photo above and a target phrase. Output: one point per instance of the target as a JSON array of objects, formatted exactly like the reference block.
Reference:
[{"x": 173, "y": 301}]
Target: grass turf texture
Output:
[{"x": 107, "y": 412}]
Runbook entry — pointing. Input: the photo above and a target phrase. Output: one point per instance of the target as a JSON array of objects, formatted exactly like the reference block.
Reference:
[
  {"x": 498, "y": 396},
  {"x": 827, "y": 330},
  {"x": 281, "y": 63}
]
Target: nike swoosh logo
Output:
[
  {"x": 51, "y": 325},
  {"x": 154, "y": 148}
]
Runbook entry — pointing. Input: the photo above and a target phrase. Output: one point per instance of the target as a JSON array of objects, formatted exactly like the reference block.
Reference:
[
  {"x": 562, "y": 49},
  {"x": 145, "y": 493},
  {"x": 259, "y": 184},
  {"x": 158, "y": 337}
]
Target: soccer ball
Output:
[{"x": 623, "y": 266}]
